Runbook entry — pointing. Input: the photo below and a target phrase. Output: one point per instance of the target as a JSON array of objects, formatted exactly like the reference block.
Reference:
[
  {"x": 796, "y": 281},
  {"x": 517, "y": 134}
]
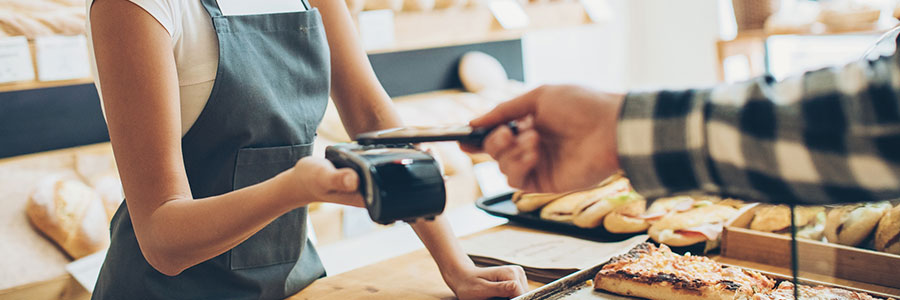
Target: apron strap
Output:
[{"x": 212, "y": 7}]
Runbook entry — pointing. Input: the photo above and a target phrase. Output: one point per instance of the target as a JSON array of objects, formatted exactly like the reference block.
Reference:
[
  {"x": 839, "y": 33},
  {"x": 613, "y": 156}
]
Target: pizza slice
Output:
[{"x": 654, "y": 272}]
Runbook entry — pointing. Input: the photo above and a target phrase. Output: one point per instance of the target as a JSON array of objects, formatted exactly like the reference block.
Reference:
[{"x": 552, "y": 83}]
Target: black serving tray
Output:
[{"x": 502, "y": 206}]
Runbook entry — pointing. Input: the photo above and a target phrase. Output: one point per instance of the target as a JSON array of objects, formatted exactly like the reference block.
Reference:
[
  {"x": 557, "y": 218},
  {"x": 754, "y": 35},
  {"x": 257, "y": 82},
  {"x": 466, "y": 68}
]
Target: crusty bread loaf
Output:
[
  {"x": 15, "y": 24},
  {"x": 850, "y": 225},
  {"x": 479, "y": 71},
  {"x": 71, "y": 214},
  {"x": 887, "y": 235}
]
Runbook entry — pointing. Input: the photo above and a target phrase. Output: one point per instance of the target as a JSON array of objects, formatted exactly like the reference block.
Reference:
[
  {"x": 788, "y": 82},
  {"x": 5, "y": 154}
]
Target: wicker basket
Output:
[{"x": 752, "y": 14}]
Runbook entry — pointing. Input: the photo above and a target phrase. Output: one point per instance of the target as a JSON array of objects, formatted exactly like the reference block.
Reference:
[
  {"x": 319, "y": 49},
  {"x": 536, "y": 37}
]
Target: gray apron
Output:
[{"x": 269, "y": 96}]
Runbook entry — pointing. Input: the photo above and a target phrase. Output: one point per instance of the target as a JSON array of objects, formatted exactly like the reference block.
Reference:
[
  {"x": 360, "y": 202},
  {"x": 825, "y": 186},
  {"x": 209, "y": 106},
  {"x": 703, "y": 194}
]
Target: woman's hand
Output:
[
  {"x": 317, "y": 180},
  {"x": 483, "y": 283}
]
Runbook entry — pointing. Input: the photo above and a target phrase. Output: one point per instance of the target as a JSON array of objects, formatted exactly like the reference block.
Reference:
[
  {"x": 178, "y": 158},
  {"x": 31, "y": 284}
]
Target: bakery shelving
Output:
[{"x": 456, "y": 26}]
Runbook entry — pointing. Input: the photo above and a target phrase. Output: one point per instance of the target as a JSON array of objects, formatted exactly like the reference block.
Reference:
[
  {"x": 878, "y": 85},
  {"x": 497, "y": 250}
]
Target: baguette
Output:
[
  {"x": 810, "y": 220},
  {"x": 625, "y": 220},
  {"x": 591, "y": 212},
  {"x": 71, "y": 214}
]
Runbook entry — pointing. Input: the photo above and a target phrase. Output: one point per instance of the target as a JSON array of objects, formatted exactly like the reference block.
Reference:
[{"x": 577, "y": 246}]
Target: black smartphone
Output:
[{"x": 420, "y": 134}]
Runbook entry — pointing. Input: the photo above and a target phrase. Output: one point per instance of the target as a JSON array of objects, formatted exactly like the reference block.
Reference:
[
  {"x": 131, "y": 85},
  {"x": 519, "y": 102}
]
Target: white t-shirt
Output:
[{"x": 194, "y": 45}]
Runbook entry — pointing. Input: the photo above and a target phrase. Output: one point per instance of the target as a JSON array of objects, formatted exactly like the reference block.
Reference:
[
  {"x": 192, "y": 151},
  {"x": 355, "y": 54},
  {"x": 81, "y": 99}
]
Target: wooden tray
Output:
[
  {"x": 578, "y": 286},
  {"x": 856, "y": 264}
]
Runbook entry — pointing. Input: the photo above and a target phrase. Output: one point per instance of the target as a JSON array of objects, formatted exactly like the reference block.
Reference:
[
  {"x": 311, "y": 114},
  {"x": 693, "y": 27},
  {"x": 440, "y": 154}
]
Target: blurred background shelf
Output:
[{"x": 457, "y": 26}]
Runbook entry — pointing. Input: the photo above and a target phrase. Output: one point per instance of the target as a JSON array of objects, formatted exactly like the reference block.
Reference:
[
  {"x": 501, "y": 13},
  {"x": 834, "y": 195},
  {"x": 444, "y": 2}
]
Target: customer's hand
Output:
[
  {"x": 490, "y": 282},
  {"x": 317, "y": 180},
  {"x": 566, "y": 138}
]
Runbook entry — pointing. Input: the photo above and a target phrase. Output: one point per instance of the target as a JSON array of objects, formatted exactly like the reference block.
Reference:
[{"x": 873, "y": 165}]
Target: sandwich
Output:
[
  {"x": 591, "y": 212},
  {"x": 850, "y": 225},
  {"x": 697, "y": 225},
  {"x": 810, "y": 220},
  {"x": 887, "y": 235},
  {"x": 634, "y": 218},
  {"x": 570, "y": 206}
]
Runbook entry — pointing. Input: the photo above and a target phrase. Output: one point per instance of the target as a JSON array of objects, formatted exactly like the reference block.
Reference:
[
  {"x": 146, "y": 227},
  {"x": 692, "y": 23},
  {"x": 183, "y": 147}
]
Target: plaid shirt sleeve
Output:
[{"x": 828, "y": 136}]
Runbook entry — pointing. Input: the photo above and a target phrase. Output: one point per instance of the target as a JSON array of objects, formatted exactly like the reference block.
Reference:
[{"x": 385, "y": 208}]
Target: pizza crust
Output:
[{"x": 659, "y": 290}]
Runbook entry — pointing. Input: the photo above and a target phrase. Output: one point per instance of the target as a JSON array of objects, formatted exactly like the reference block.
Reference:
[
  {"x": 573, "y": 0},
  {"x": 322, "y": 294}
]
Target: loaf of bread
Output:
[
  {"x": 479, "y": 71},
  {"x": 71, "y": 214},
  {"x": 16, "y": 24},
  {"x": 850, "y": 225}
]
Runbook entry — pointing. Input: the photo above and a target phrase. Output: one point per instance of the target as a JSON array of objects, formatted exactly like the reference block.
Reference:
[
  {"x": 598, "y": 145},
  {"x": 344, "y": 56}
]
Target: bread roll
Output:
[
  {"x": 395, "y": 5},
  {"x": 418, "y": 5},
  {"x": 850, "y": 225},
  {"x": 887, "y": 236},
  {"x": 71, "y": 214},
  {"x": 775, "y": 218},
  {"x": 563, "y": 208},
  {"x": 479, "y": 71},
  {"x": 694, "y": 226}
]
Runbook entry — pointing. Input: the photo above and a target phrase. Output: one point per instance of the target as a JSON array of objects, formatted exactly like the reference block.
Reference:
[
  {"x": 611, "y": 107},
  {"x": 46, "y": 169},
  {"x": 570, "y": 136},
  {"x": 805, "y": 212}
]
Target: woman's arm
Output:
[
  {"x": 364, "y": 106},
  {"x": 141, "y": 100}
]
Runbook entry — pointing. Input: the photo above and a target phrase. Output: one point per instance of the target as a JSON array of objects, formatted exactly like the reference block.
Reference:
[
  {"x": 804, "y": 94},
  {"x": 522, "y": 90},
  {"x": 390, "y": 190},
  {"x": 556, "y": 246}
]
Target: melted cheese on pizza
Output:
[{"x": 650, "y": 264}]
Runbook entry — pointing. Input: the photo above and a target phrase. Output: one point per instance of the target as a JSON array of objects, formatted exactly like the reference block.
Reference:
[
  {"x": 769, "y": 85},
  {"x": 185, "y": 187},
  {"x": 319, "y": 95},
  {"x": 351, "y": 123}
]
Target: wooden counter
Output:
[{"x": 409, "y": 276}]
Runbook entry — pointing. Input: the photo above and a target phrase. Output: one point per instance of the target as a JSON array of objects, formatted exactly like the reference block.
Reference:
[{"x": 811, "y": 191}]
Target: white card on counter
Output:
[
  {"x": 259, "y": 7},
  {"x": 15, "y": 60},
  {"x": 598, "y": 10},
  {"x": 86, "y": 270},
  {"x": 376, "y": 29},
  {"x": 62, "y": 57},
  {"x": 509, "y": 13}
]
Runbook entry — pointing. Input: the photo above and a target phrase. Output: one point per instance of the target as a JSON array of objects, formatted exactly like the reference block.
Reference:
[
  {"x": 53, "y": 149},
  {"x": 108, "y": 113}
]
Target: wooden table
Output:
[
  {"x": 409, "y": 276},
  {"x": 415, "y": 276}
]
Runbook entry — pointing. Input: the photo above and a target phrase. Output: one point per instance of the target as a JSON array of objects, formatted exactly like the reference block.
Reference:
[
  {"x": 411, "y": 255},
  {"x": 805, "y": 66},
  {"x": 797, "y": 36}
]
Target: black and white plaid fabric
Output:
[{"x": 828, "y": 136}]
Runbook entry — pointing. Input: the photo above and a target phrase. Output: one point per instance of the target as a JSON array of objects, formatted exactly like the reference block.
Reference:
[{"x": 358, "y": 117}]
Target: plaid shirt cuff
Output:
[{"x": 662, "y": 143}]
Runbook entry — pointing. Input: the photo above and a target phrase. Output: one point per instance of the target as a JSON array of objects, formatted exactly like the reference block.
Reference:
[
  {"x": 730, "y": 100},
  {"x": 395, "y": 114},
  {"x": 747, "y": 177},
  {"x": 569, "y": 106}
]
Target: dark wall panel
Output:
[
  {"x": 52, "y": 118},
  {"x": 61, "y": 117},
  {"x": 418, "y": 71}
]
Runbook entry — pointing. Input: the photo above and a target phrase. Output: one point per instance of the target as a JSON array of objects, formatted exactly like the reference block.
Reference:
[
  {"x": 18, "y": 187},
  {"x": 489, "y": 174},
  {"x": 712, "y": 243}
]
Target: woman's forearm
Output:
[
  {"x": 440, "y": 241},
  {"x": 183, "y": 232}
]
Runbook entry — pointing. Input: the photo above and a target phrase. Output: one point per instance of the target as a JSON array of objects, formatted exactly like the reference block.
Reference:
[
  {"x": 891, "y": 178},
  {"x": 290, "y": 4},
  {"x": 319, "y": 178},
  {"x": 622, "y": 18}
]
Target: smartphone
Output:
[{"x": 421, "y": 134}]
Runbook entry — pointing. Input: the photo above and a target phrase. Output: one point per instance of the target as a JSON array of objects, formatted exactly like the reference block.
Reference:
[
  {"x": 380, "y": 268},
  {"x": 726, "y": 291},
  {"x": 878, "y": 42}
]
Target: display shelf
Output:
[
  {"x": 457, "y": 26},
  {"x": 35, "y": 84}
]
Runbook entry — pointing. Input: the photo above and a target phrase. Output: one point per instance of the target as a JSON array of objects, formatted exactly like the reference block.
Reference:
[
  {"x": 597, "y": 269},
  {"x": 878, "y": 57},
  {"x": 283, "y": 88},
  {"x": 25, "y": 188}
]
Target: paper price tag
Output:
[
  {"x": 15, "y": 60},
  {"x": 376, "y": 29},
  {"x": 509, "y": 14},
  {"x": 62, "y": 57},
  {"x": 598, "y": 10}
]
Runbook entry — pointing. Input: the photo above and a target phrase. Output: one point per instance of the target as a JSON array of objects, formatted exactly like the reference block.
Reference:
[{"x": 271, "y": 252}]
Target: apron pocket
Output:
[{"x": 282, "y": 240}]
